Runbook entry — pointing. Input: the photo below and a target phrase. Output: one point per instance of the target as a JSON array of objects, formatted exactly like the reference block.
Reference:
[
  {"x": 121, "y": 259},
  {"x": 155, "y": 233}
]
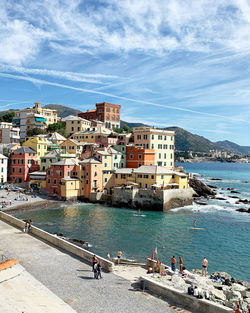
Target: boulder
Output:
[
  {"x": 222, "y": 274},
  {"x": 240, "y": 288},
  {"x": 233, "y": 296},
  {"x": 179, "y": 283},
  {"x": 201, "y": 189},
  {"x": 218, "y": 294},
  {"x": 247, "y": 300}
]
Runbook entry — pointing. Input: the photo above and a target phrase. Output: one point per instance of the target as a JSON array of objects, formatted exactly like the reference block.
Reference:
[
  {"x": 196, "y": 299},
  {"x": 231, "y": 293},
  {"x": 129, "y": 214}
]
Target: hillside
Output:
[
  {"x": 231, "y": 146},
  {"x": 62, "y": 110}
]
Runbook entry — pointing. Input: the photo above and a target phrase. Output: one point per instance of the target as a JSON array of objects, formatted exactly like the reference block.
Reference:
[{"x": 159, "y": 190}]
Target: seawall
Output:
[{"x": 56, "y": 241}]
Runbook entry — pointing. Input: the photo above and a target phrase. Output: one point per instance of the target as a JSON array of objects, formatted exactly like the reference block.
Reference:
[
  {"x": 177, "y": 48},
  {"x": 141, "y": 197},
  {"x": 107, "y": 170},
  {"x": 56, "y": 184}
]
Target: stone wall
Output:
[{"x": 58, "y": 242}]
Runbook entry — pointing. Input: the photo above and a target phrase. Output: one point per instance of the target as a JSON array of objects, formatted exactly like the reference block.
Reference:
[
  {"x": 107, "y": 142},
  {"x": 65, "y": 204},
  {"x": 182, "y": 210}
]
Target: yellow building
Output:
[
  {"x": 37, "y": 143},
  {"x": 70, "y": 188},
  {"x": 148, "y": 177},
  {"x": 91, "y": 136},
  {"x": 105, "y": 157},
  {"x": 72, "y": 146},
  {"x": 162, "y": 141},
  {"x": 75, "y": 124}
]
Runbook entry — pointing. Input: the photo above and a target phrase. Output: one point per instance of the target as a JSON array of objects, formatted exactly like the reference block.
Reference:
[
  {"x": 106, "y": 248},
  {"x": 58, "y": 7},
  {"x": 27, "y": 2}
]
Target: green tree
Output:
[
  {"x": 57, "y": 127},
  {"x": 35, "y": 131},
  {"x": 8, "y": 117},
  {"x": 127, "y": 129},
  {"x": 118, "y": 130}
]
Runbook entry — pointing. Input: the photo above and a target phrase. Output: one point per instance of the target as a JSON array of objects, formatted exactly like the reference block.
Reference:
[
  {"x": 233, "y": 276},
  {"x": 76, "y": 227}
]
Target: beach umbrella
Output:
[{"x": 152, "y": 256}]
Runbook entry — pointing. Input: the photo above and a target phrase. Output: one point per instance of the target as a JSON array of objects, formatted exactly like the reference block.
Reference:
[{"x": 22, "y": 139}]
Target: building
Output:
[
  {"x": 54, "y": 156},
  {"x": 151, "y": 177},
  {"x": 3, "y": 168},
  {"x": 75, "y": 124},
  {"x": 93, "y": 135},
  {"x": 34, "y": 117},
  {"x": 22, "y": 162},
  {"x": 8, "y": 133},
  {"x": 58, "y": 173},
  {"x": 138, "y": 156},
  {"x": 56, "y": 138},
  {"x": 162, "y": 141},
  {"x": 72, "y": 146},
  {"x": 118, "y": 158},
  {"x": 37, "y": 143},
  {"x": 105, "y": 112}
]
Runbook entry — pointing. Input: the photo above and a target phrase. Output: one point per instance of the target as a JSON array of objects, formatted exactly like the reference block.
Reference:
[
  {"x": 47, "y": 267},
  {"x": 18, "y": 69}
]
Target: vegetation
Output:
[
  {"x": 58, "y": 127},
  {"x": 35, "y": 131},
  {"x": 124, "y": 129},
  {"x": 7, "y": 117}
]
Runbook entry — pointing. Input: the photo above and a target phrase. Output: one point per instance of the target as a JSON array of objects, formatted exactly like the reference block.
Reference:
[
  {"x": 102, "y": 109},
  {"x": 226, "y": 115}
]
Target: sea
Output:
[{"x": 223, "y": 237}]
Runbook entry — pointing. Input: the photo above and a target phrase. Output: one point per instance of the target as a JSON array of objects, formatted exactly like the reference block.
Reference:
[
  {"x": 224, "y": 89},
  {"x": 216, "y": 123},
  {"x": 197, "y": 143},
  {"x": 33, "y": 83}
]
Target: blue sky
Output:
[{"x": 168, "y": 63}]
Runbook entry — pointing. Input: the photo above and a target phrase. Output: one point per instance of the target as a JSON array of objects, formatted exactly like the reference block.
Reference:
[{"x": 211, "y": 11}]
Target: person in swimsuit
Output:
[
  {"x": 180, "y": 263},
  {"x": 204, "y": 267},
  {"x": 173, "y": 262},
  {"x": 194, "y": 223},
  {"x": 119, "y": 254}
]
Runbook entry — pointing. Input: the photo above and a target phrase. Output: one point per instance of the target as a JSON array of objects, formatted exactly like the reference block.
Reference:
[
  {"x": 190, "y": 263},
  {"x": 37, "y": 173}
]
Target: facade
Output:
[
  {"x": 105, "y": 158},
  {"x": 92, "y": 135},
  {"x": 37, "y": 143},
  {"x": 56, "y": 172},
  {"x": 3, "y": 168},
  {"x": 138, "y": 156},
  {"x": 75, "y": 124},
  {"x": 22, "y": 162},
  {"x": 56, "y": 138},
  {"x": 72, "y": 146},
  {"x": 8, "y": 133},
  {"x": 118, "y": 158},
  {"x": 105, "y": 112},
  {"x": 54, "y": 156},
  {"x": 162, "y": 141},
  {"x": 151, "y": 177},
  {"x": 34, "y": 117}
]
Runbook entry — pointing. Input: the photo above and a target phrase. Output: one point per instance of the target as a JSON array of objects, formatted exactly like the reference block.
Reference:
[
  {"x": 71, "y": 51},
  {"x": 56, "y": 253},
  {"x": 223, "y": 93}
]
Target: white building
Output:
[
  {"x": 3, "y": 168},
  {"x": 8, "y": 133}
]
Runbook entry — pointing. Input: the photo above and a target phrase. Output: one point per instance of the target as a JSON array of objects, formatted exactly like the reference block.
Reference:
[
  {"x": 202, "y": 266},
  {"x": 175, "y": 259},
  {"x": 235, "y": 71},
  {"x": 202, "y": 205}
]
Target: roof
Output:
[
  {"x": 67, "y": 162},
  {"x": 153, "y": 169},
  {"x": 24, "y": 150},
  {"x": 124, "y": 171},
  {"x": 90, "y": 160},
  {"x": 74, "y": 118},
  {"x": 113, "y": 151},
  {"x": 56, "y": 136},
  {"x": 70, "y": 178},
  {"x": 3, "y": 156},
  {"x": 103, "y": 152},
  {"x": 52, "y": 154}
]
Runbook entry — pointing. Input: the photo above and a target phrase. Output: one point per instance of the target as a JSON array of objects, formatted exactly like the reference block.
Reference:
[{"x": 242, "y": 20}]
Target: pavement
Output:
[{"x": 71, "y": 279}]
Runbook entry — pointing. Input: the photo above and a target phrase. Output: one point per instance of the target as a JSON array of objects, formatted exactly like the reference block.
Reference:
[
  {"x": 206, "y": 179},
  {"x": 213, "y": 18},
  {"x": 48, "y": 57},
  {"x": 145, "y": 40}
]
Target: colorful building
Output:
[
  {"x": 54, "y": 156},
  {"x": 75, "y": 124},
  {"x": 37, "y": 143},
  {"x": 9, "y": 133},
  {"x": 105, "y": 112},
  {"x": 162, "y": 141},
  {"x": 23, "y": 161},
  {"x": 56, "y": 172},
  {"x": 3, "y": 168},
  {"x": 72, "y": 146},
  {"x": 138, "y": 156}
]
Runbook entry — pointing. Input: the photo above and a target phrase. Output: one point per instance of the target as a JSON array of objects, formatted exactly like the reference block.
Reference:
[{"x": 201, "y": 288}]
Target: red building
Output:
[
  {"x": 136, "y": 157},
  {"x": 63, "y": 169},
  {"x": 23, "y": 161},
  {"x": 105, "y": 112}
]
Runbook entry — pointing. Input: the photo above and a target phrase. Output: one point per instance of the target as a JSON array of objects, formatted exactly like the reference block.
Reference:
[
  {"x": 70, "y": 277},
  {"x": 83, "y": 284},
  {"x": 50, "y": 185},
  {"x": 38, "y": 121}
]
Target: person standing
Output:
[
  {"x": 180, "y": 264},
  {"x": 173, "y": 262},
  {"x": 204, "y": 266},
  {"x": 94, "y": 261},
  {"x": 98, "y": 268},
  {"x": 119, "y": 254}
]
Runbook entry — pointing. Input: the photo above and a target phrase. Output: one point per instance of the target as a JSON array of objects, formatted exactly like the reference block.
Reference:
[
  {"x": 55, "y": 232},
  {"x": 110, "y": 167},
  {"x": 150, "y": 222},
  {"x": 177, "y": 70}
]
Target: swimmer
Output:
[{"x": 194, "y": 223}]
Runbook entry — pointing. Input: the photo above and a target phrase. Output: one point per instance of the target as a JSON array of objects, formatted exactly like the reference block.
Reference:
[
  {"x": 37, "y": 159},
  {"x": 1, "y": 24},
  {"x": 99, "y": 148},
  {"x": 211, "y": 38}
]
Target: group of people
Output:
[
  {"x": 27, "y": 226},
  {"x": 237, "y": 309},
  {"x": 173, "y": 265}
]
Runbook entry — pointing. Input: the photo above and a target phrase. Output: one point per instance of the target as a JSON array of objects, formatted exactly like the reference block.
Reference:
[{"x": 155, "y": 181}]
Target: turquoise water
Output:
[{"x": 225, "y": 239}]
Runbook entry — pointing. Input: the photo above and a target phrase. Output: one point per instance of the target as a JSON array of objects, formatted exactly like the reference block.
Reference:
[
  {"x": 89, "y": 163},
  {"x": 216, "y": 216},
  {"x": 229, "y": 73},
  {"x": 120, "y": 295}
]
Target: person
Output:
[
  {"x": 204, "y": 266},
  {"x": 236, "y": 307},
  {"x": 173, "y": 262},
  {"x": 248, "y": 309},
  {"x": 150, "y": 270},
  {"x": 194, "y": 223},
  {"x": 196, "y": 293},
  {"x": 119, "y": 254},
  {"x": 94, "y": 262},
  {"x": 25, "y": 227},
  {"x": 108, "y": 256},
  {"x": 191, "y": 290},
  {"x": 95, "y": 271},
  {"x": 98, "y": 268},
  {"x": 180, "y": 264}
]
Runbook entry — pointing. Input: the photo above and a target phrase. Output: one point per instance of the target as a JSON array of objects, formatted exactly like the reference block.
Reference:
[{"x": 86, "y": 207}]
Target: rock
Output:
[
  {"x": 200, "y": 188},
  {"x": 233, "y": 296},
  {"x": 240, "y": 288},
  {"x": 247, "y": 300},
  {"x": 195, "y": 271},
  {"x": 245, "y": 284},
  {"x": 245, "y": 201},
  {"x": 200, "y": 202},
  {"x": 233, "y": 191},
  {"x": 179, "y": 283},
  {"x": 243, "y": 210},
  {"x": 218, "y": 294},
  {"x": 211, "y": 186},
  {"x": 216, "y": 179},
  {"x": 234, "y": 197},
  {"x": 220, "y": 198}
]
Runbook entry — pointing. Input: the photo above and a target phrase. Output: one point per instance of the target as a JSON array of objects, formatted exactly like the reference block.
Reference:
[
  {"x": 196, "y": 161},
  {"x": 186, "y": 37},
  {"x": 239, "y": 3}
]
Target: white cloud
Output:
[{"x": 87, "y": 27}]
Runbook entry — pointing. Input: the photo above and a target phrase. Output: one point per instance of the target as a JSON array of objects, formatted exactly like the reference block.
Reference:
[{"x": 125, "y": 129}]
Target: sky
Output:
[{"x": 167, "y": 63}]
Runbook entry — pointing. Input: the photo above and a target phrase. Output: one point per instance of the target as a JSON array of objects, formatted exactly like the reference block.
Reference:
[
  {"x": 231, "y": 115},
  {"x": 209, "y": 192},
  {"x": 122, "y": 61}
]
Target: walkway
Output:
[{"x": 72, "y": 280}]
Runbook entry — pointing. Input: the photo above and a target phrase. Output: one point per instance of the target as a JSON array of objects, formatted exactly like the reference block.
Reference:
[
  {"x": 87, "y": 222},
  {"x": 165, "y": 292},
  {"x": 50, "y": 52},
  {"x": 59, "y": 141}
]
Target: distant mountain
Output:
[
  {"x": 62, "y": 110},
  {"x": 233, "y": 147},
  {"x": 186, "y": 141},
  {"x": 131, "y": 125}
]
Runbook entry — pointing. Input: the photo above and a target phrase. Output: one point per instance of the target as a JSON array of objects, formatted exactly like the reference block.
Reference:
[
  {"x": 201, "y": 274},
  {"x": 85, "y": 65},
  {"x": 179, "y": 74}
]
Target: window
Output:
[
  {"x": 139, "y": 164},
  {"x": 145, "y": 176},
  {"x": 95, "y": 174},
  {"x": 48, "y": 180},
  {"x": 139, "y": 176},
  {"x": 55, "y": 181},
  {"x": 165, "y": 155},
  {"x": 165, "y": 137},
  {"x": 2, "y": 169},
  {"x": 159, "y": 146},
  {"x": 152, "y": 146},
  {"x": 145, "y": 137},
  {"x": 123, "y": 176},
  {"x": 146, "y": 185},
  {"x": 172, "y": 176},
  {"x": 105, "y": 164},
  {"x": 152, "y": 176},
  {"x": 159, "y": 137},
  {"x": 131, "y": 156},
  {"x": 159, "y": 155},
  {"x": 171, "y": 155},
  {"x": 139, "y": 156},
  {"x": 48, "y": 172},
  {"x": 153, "y": 137},
  {"x": 105, "y": 157},
  {"x": 68, "y": 173},
  {"x": 138, "y": 137},
  {"x": 171, "y": 138},
  {"x": 105, "y": 179},
  {"x": 162, "y": 176},
  {"x": 13, "y": 170}
]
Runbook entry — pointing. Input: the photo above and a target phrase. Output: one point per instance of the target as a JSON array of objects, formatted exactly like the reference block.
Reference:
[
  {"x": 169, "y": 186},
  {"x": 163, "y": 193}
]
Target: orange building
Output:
[
  {"x": 107, "y": 113},
  {"x": 136, "y": 157}
]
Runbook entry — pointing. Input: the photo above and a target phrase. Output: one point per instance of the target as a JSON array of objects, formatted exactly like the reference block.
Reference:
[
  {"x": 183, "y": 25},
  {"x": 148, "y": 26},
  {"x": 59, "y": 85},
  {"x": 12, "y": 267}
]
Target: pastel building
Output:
[
  {"x": 107, "y": 113},
  {"x": 53, "y": 157},
  {"x": 37, "y": 143},
  {"x": 75, "y": 124},
  {"x": 9, "y": 133},
  {"x": 162, "y": 141},
  {"x": 3, "y": 168},
  {"x": 22, "y": 162},
  {"x": 138, "y": 156},
  {"x": 72, "y": 146}
]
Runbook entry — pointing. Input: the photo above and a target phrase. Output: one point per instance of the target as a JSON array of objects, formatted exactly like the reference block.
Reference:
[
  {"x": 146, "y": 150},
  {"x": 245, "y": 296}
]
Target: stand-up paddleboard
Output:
[
  {"x": 142, "y": 215},
  {"x": 195, "y": 228}
]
